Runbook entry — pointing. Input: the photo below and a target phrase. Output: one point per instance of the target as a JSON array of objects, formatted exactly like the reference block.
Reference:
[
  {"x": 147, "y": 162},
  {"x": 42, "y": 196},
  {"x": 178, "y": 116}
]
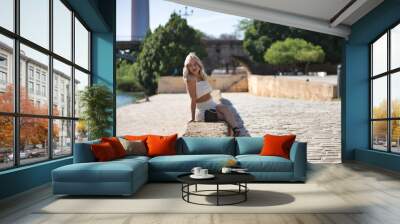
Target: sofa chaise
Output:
[{"x": 125, "y": 176}]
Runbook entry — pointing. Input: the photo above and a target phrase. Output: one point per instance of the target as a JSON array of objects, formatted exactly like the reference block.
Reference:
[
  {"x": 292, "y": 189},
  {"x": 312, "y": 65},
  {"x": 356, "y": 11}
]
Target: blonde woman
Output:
[{"x": 200, "y": 93}]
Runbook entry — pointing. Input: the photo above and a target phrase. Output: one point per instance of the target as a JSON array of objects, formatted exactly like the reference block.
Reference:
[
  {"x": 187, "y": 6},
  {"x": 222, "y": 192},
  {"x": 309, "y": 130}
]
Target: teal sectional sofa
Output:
[{"x": 125, "y": 176}]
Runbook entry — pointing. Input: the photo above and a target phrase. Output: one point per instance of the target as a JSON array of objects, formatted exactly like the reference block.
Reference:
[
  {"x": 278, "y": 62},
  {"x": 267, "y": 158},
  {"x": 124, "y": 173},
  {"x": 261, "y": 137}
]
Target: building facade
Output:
[{"x": 34, "y": 82}]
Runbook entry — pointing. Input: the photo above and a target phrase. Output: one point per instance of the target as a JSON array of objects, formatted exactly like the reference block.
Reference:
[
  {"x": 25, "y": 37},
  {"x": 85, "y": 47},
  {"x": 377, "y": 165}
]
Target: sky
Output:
[
  {"x": 34, "y": 26},
  {"x": 209, "y": 22}
]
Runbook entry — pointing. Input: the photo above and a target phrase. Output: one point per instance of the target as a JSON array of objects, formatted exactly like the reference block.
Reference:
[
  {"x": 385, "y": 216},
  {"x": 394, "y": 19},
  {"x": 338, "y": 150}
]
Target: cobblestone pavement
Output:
[
  {"x": 314, "y": 122},
  {"x": 164, "y": 114},
  {"x": 317, "y": 123}
]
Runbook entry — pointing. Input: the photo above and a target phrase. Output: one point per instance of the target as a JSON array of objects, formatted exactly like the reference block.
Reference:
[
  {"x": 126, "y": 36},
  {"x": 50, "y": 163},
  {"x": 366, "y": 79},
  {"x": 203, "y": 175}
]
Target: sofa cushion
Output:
[
  {"x": 249, "y": 145},
  {"x": 132, "y": 158},
  {"x": 103, "y": 152},
  {"x": 257, "y": 163},
  {"x": 111, "y": 171},
  {"x": 136, "y": 137},
  {"x": 116, "y": 145},
  {"x": 206, "y": 145},
  {"x": 134, "y": 147},
  {"x": 161, "y": 145},
  {"x": 185, "y": 163},
  {"x": 93, "y": 172},
  {"x": 277, "y": 145}
]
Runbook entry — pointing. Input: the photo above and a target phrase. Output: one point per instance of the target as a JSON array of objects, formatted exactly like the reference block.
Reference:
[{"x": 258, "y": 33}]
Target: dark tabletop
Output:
[{"x": 220, "y": 178}]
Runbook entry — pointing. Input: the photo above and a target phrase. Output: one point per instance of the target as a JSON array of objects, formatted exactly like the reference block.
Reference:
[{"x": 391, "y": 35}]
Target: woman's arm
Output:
[{"x": 191, "y": 88}]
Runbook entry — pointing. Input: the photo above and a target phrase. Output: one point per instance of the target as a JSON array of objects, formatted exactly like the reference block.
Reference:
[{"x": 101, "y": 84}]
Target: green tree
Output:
[
  {"x": 395, "y": 123},
  {"x": 163, "y": 52},
  {"x": 380, "y": 110},
  {"x": 293, "y": 52},
  {"x": 126, "y": 80},
  {"x": 259, "y": 35},
  {"x": 255, "y": 41},
  {"x": 380, "y": 127}
]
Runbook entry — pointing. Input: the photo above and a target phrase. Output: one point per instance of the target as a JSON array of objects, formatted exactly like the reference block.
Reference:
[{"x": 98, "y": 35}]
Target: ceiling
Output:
[
  {"x": 321, "y": 9},
  {"x": 333, "y": 17}
]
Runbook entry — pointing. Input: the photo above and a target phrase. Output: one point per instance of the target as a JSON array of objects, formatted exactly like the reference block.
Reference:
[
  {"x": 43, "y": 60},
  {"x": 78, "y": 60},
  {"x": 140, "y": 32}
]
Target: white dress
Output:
[{"x": 203, "y": 88}]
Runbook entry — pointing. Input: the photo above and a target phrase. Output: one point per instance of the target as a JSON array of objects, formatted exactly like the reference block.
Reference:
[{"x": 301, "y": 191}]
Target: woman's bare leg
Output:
[
  {"x": 222, "y": 117},
  {"x": 225, "y": 114}
]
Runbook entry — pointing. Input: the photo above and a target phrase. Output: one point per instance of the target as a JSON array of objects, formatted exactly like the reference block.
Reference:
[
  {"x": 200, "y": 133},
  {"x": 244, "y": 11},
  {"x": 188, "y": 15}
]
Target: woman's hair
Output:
[{"x": 186, "y": 73}]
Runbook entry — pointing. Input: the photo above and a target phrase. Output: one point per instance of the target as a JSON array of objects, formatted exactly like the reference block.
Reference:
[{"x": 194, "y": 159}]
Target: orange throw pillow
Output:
[
  {"x": 275, "y": 145},
  {"x": 136, "y": 137},
  {"x": 161, "y": 145},
  {"x": 103, "y": 152},
  {"x": 116, "y": 145}
]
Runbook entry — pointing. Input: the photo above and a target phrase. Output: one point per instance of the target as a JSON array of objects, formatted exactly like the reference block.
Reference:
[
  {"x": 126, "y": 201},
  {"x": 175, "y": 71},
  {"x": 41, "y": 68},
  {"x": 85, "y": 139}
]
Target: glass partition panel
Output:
[
  {"x": 81, "y": 45},
  {"x": 6, "y": 142},
  {"x": 395, "y": 95},
  {"x": 379, "y": 135},
  {"x": 62, "y": 30},
  {"x": 81, "y": 131},
  {"x": 33, "y": 140},
  {"x": 395, "y": 47},
  {"x": 7, "y": 14},
  {"x": 62, "y": 89},
  {"x": 379, "y": 56},
  {"x": 6, "y": 74},
  {"x": 62, "y": 138},
  {"x": 34, "y": 21},
  {"x": 395, "y": 136},
  {"x": 81, "y": 82},
  {"x": 379, "y": 98},
  {"x": 34, "y": 78}
]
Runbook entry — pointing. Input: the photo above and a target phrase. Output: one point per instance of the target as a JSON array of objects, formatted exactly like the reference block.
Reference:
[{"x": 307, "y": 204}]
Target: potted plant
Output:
[{"x": 96, "y": 102}]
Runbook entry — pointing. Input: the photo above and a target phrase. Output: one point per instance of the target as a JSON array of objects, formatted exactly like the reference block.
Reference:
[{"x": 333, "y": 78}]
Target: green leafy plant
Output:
[{"x": 97, "y": 103}]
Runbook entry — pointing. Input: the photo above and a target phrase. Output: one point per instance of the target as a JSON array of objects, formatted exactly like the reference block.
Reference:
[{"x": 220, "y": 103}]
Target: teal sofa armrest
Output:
[
  {"x": 298, "y": 155},
  {"x": 83, "y": 152}
]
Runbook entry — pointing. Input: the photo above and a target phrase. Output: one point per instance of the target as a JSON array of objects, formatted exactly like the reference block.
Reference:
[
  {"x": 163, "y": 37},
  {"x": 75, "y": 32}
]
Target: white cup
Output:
[
  {"x": 196, "y": 171},
  {"x": 203, "y": 172},
  {"x": 226, "y": 170}
]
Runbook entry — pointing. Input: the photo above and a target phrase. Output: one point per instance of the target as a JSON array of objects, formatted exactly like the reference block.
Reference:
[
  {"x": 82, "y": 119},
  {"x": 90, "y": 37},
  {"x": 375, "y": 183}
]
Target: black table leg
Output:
[
  {"x": 188, "y": 190},
  {"x": 217, "y": 194},
  {"x": 182, "y": 190},
  {"x": 220, "y": 193},
  {"x": 245, "y": 193}
]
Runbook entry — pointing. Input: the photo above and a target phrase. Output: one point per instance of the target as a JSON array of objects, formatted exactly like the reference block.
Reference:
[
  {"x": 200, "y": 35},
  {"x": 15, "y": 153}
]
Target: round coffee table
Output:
[{"x": 238, "y": 179}]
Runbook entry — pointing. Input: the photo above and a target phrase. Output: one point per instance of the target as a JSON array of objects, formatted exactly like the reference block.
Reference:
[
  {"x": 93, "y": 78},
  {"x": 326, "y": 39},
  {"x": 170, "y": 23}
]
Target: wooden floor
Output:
[{"x": 379, "y": 190}]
